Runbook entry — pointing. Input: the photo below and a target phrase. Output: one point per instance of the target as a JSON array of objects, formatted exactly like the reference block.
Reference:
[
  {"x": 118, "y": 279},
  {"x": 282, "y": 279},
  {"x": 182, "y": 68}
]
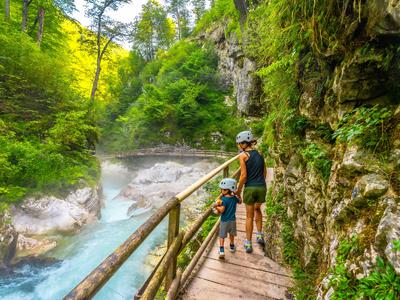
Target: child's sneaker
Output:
[
  {"x": 248, "y": 247},
  {"x": 232, "y": 248},
  {"x": 221, "y": 253},
  {"x": 260, "y": 238}
]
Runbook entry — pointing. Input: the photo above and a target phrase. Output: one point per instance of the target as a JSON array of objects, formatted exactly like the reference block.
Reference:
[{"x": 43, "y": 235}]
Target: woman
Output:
[{"x": 252, "y": 177}]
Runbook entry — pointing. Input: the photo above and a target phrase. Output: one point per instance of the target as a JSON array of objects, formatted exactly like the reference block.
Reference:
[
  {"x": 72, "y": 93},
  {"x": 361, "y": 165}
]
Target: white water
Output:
[{"x": 81, "y": 253}]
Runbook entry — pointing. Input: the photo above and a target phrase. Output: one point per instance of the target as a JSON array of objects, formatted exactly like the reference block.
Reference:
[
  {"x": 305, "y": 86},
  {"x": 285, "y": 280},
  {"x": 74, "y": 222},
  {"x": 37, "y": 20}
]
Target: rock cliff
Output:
[
  {"x": 339, "y": 191},
  {"x": 335, "y": 201},
  {"x": 236, "y": 70}
]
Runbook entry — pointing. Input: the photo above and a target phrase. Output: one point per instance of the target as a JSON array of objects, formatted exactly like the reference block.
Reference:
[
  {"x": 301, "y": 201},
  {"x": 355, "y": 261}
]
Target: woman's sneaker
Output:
[
  {"x": 248, "y": 247},
  {"x": 221, "y": 253},
  {"x": 260, "y": 238},
  {"x": 232, "y": 248}
]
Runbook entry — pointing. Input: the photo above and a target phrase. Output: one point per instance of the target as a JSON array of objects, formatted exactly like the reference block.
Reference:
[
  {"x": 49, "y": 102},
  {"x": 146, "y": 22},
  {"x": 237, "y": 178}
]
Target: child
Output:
[{"x": 226, "y": 206}]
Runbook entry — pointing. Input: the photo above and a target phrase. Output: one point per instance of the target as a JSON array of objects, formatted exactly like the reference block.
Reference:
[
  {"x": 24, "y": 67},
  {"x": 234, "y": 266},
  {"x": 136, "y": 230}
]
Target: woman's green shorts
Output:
[{"x": 254, "y": 194}]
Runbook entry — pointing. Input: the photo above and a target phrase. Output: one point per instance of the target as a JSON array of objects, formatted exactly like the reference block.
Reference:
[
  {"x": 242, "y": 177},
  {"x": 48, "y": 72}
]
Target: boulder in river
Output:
[
  {"x": 153, "y": 186},
  {"x": 27, "y": 229},
  {"x": 51, "y": 215}
]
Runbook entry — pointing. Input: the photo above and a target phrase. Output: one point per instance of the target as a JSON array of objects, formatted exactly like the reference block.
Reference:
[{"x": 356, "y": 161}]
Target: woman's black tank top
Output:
[{"x": 255, "y": 169}]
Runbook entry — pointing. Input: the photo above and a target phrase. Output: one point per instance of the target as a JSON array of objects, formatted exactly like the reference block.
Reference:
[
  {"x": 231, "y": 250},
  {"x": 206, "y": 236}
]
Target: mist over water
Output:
[{"x": 125, "y": 183}]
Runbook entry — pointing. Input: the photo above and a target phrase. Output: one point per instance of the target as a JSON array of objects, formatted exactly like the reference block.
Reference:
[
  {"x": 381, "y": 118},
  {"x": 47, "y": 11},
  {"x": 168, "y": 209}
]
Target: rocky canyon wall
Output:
[{"x": 337, "y": 178}]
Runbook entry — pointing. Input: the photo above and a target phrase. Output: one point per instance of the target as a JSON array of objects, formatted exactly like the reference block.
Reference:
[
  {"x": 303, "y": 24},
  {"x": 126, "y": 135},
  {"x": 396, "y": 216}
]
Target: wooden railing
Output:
[
  {"x": 169, "y": 152},
  {"x": 177, "y": 240}
]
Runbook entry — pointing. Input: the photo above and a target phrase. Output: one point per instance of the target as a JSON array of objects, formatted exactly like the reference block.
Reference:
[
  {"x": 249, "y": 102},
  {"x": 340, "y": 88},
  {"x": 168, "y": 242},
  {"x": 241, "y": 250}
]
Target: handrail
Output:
[
  {"x": 169, "y": 152},
  {"x": 152, "y": 284},
  {"x": 89, "y": 286}
]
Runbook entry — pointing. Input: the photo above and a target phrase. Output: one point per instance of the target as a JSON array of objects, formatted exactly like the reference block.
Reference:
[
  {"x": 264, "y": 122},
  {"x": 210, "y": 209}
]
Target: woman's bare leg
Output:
[
  {"x": 258, "y": 216},
  {"x": 249, "y": 220}
]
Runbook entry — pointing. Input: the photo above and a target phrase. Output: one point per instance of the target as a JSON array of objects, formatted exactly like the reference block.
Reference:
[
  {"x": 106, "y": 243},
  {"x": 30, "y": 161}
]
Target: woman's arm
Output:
[{"x": 243, "y": 173}]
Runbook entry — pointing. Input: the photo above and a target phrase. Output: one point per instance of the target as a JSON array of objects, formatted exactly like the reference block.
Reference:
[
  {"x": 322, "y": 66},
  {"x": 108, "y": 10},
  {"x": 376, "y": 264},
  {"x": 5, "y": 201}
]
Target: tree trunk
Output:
[
  {"x": 178, "y": 23},
  {"x": 100, "y": 54},
  {"x": 7, "y": 11},
  {"x": 95, "y": 82},
  {"x": 24, "y": 15},
  {"x": 41, "y": 25},
  {"x": 241, "y": 6}
]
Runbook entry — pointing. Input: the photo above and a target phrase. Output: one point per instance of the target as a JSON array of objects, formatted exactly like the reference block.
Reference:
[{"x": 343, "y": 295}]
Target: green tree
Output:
[
  {"x": 129, "y": 86},
  {"x": 199, "y": 8},
  {"x": 180, "y": 12},
  {"x": 152, "y": 30},
  {"x": 107, "y": 30},
  {"x": 181, "y": 103},
  {"x": 53, "y": 8}
]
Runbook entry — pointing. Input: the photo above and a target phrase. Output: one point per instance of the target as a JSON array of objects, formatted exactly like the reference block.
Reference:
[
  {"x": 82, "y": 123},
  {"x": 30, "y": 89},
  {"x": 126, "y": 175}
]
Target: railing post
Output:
[
  {"x": 226, "y": 172},
  {"x": 173, "y": 231}
]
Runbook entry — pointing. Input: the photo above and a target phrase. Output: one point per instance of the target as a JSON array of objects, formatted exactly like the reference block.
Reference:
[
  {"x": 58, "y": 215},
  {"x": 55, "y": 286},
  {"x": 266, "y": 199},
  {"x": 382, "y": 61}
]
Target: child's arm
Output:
[
  {"x": 218, "y": 202},
  {"x": 220, "y": 209}
]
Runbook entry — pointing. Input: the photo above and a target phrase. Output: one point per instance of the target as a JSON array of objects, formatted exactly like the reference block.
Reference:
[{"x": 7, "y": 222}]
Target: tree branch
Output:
[{"x": 106, "y": 45}]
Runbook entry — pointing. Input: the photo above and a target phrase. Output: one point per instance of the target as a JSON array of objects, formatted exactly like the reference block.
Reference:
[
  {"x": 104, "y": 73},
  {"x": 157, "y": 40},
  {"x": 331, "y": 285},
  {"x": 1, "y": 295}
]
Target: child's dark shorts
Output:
[{"x": 227, "y": 227}]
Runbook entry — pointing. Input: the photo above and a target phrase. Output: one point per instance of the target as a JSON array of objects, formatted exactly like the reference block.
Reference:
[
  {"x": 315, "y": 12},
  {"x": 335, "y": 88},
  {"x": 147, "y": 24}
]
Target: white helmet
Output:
[
  {"x": 244, "y": 136},
  {"x": 228, "y": 184}
]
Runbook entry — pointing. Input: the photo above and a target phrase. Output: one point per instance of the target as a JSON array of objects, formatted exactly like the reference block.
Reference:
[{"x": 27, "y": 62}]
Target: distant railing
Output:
[
  {"x": 177, "y": 240},
  {"x": 169, "y": 152}
]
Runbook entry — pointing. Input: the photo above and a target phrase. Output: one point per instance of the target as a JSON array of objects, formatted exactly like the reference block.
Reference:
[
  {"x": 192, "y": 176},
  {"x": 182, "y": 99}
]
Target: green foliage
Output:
[
  {"x": 381, "y": 283},
  {"x": 152, "y": 30},
  {"x": 343, "y": 283},
  {"x": 366, "y": 127},
  {"x": 275, "y": 41},
  {"x": 275, "y": 210},
  {"x": 396, "y": 245},
  {"x": 33, "y": 167},
  {"x": 318, "y": 158},
  {"x": 45, "y": 135},
  {"x": 181, "y": 103},
  {"x": 221, "y": 10}
]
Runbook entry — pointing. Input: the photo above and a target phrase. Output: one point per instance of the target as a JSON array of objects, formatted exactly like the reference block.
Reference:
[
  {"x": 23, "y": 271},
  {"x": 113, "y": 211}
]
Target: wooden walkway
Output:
[
  {"x": 239, "y": 275},
  {"x": 168, "y": 153}
]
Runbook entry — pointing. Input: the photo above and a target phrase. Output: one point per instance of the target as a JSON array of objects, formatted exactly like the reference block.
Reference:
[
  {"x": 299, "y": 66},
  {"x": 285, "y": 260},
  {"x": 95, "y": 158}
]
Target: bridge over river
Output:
[{"x": 239, "y": 276}]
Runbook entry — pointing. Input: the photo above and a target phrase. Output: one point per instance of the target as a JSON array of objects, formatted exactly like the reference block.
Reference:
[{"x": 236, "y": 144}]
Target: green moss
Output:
[
  {"x": 317, "y": 157},
  {"x": 221, "y": 11}
]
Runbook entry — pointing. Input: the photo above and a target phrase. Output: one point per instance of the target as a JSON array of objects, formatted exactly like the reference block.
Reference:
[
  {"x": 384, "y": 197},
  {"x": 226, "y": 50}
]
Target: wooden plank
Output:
[
  {"x": 202, "y": 289},
  {"x": 255, "y": 260},
  {"x": 248, "y": 272},
  {"x": 239, "y": 242},
  {"x": 243, "y": 282}
]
